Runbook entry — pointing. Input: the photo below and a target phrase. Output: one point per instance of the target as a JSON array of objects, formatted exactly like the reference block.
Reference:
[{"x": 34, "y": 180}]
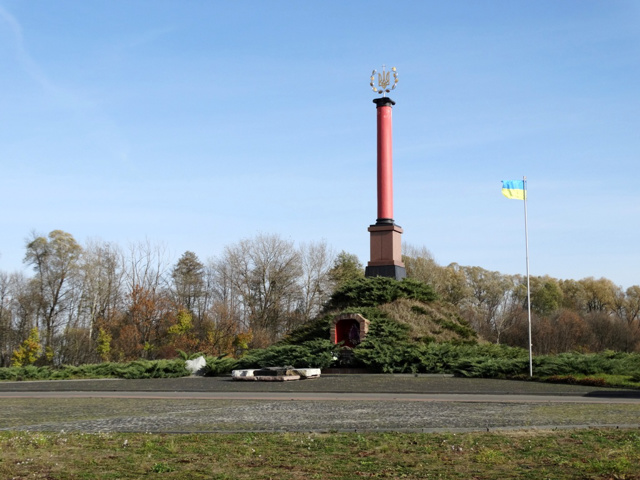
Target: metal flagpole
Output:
[{"x": 526, "y": 237}]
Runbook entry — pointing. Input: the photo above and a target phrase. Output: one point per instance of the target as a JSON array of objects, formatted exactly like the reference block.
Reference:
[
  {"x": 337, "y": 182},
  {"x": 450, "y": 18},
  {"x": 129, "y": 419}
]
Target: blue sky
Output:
[{"x": 194, "y": 124}]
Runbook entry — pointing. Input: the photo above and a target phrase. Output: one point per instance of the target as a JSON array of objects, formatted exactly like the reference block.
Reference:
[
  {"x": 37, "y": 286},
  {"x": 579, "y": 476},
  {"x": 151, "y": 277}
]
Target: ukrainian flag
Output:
[{"x": 514, "y": 189}]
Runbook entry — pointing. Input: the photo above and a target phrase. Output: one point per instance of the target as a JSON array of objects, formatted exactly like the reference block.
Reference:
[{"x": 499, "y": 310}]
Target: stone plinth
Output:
[{"x": 386, "y": 252}]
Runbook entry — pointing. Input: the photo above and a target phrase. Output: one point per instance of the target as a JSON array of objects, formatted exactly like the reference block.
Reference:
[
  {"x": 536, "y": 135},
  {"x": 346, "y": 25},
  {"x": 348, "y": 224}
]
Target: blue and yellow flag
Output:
[{"x": 514, "y": 189}]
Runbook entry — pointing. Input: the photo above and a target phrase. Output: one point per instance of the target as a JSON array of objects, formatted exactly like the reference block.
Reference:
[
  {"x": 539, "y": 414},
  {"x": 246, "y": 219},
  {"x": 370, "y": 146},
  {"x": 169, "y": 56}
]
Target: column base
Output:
[
  {"x": 386, "y": 252},
  {"x": 391, "y": 271}
]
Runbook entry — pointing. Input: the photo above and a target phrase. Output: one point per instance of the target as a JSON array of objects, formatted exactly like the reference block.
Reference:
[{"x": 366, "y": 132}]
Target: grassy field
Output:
[{"x": 565, "y": 454}]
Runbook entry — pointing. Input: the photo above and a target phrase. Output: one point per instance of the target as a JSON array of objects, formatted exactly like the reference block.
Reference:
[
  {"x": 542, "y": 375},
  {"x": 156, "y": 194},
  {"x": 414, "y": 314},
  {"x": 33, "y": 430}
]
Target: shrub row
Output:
[
  {"x": 392, "y": 356},
  {"x": 490, "y": 361},
  {"x": 137, "y": 369}
]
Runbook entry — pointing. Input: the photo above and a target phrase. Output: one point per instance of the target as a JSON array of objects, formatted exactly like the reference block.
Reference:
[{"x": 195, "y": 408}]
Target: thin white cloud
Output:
[
  {"x": 23, "y": 57},
  {"x": 95, "y": 123}
]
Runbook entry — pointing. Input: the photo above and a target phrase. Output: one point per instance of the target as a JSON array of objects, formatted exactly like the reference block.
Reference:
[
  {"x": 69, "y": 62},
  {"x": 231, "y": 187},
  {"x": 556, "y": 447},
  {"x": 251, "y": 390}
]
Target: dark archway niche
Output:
[{"x": 349, "y": 328}]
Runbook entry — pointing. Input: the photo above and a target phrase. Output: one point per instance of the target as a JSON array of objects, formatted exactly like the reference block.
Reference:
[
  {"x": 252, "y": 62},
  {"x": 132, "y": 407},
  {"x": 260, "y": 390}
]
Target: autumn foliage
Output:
[
  {"x": 98, "y": 302},
  {"x": 587, "y": 315}
]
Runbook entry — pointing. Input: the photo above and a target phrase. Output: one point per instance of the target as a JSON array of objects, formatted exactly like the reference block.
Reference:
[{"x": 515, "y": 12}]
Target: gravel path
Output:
[
  {"x": 414, "y": 408},
  {"x": 363, "y": 383}
]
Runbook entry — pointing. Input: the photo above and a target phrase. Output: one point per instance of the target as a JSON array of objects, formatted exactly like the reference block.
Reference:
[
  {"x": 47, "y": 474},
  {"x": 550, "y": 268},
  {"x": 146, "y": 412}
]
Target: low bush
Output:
[
  {"x": 153, "y": 369},
  {"x": 137, "y": 369},
  {"x": 400, "y": 356},
  {"x": 221, "y": 365},
  {"x": 388, "y": 350},
  {"x": 487, "y": 367},
  {"x": 614, "y": 363},
  {"x": 316, "y": 353}
]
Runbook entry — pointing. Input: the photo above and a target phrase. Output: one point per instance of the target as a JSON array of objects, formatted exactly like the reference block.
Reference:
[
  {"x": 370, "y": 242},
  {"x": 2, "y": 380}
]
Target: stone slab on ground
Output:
[{"x": 284, "y": 375}]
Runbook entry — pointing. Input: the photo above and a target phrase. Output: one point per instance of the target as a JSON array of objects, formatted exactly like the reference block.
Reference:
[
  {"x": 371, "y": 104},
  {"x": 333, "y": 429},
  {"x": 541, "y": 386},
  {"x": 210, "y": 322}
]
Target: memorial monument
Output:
[{"x": 386, "y": 251}]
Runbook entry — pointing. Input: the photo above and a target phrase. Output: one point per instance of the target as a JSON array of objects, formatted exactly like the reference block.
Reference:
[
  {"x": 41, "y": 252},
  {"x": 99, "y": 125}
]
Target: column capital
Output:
[{"x": 383, "y": 102}]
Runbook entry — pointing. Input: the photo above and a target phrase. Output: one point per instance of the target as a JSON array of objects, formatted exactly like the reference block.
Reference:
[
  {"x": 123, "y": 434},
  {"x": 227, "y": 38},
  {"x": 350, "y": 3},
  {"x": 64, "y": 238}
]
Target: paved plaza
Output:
[{"x": 355, "y": 403}]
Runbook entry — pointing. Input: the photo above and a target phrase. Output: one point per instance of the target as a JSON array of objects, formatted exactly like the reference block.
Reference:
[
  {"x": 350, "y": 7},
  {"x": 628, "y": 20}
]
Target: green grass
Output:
[
  {"x": 581, "y": 454},
  {"x": 597, "y": 380}
]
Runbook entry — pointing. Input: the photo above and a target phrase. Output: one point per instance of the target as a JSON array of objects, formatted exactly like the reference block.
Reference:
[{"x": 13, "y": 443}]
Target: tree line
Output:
[
  {"x": 100, "y": 302},
  {"x": 588, "y": 315}
]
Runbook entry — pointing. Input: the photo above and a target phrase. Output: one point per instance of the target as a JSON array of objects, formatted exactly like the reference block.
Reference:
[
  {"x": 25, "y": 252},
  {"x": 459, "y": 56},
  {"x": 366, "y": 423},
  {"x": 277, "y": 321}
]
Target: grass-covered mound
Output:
[
  {"x": 408, "y": 302},
  {"x": 405, "y": 316},
  {"x": 430, "y": 322},
  {"x": 411, "y": 304}
]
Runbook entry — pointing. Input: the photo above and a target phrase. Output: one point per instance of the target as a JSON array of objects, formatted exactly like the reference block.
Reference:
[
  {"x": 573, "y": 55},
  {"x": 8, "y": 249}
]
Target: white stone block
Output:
[
  {"x": 195, "y": 365},
  {"x": 240, "y": 374},
  {"x": 308, "y": 372}
]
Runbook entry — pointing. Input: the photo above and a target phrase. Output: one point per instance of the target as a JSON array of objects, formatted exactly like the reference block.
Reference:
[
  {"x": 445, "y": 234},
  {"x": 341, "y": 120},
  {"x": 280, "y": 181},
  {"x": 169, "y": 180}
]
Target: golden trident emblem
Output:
[{"x": 384, "y": 79}]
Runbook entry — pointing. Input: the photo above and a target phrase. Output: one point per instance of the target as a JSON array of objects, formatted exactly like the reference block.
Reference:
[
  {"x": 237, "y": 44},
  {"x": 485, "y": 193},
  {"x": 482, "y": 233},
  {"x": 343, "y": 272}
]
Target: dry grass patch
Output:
[{"x": 435, "y": 321}]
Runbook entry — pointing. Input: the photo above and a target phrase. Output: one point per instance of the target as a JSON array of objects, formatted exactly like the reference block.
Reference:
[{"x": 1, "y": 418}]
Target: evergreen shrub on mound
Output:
[
  {"x": 392, "y": 344},
  {"x": 407, "y": 325},
  {"x": 370, "y": 292},
  {"x": 313, "y": 330},
  {"x": 316, "y": 353},
  {"x": 402, "y": 356},
  {"x": 309, "y": 345}
]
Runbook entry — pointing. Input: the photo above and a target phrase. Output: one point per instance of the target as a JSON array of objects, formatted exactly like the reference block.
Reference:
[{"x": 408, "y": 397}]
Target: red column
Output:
[
  {"x": 385, "y": 161},
  {"x": 386, "y": 251}
]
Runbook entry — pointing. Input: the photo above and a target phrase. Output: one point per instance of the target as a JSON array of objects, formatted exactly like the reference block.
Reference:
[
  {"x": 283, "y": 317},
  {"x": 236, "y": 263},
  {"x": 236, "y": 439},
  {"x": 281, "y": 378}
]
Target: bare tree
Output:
[
  {"x": 24, "y": 304},
  {"x": 146, "y": 265},
  {"x": 148, "y": 300},
  {"x": 491, "y": 302},
  {"x": 226, "y": 296},
  {"x": 102, "y": 284},
  {"x": 632, "y": 304},
  {"x": 316, "y": 260},
  {"x": 55, "y": 261},
  {"x": 7, "y": 343},
  {"x": 260, "y": 276}
]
